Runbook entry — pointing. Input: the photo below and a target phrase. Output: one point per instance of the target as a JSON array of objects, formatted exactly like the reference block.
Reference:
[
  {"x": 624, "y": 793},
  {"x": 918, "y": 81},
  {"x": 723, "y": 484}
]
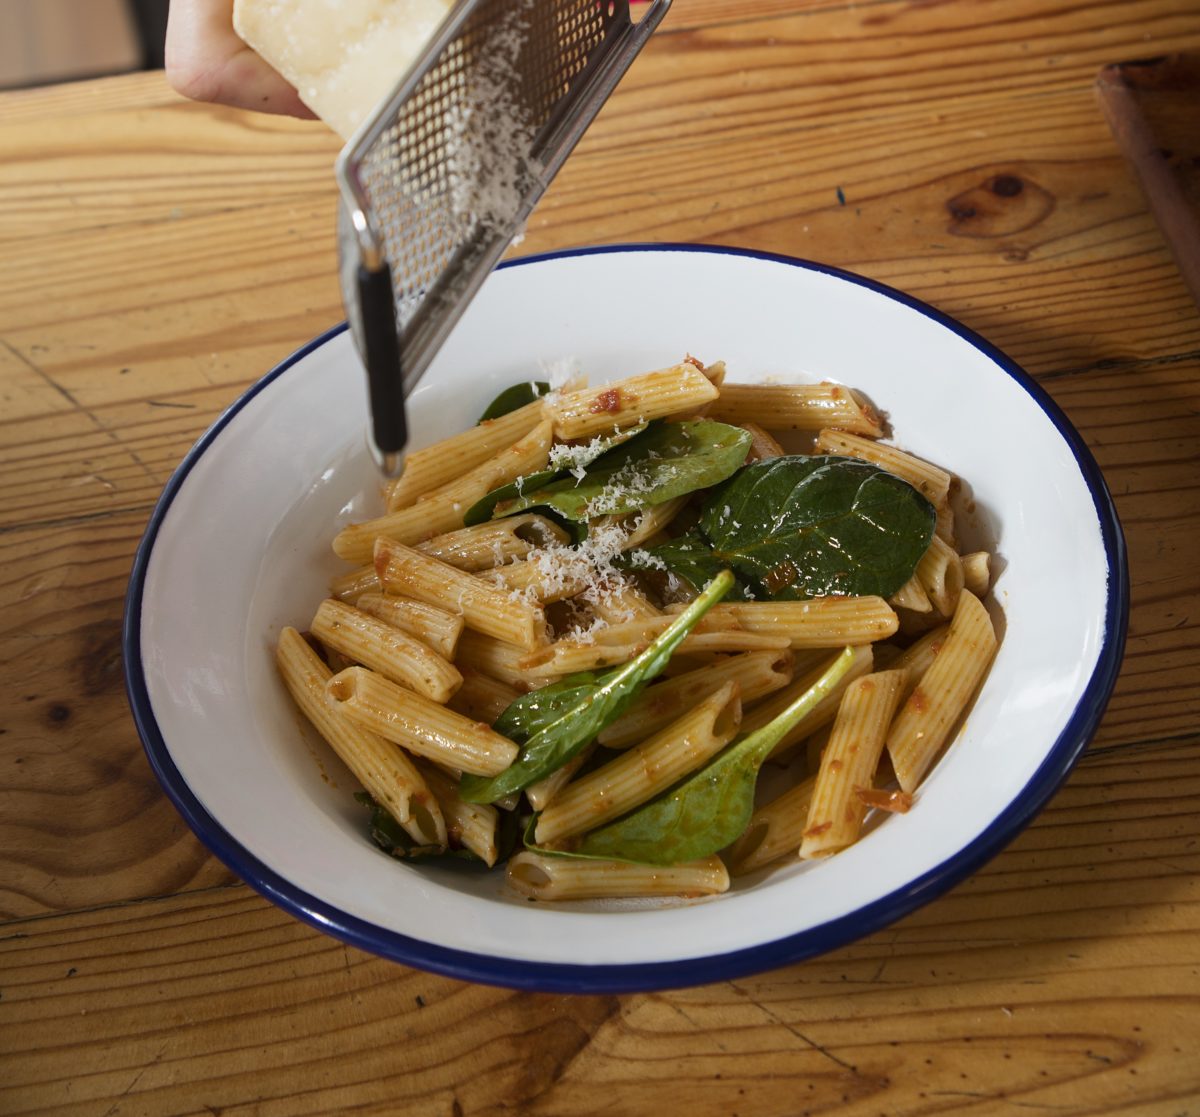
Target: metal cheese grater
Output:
[{"x": 438, "y": 182}]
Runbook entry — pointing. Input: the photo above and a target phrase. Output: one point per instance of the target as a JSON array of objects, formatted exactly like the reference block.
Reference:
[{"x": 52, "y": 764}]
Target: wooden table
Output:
[{"x": 158, "y": 256}]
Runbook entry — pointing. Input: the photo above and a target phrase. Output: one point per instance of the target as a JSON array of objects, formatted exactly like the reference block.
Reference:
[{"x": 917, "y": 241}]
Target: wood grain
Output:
[{"x": 1063, "y": 977}]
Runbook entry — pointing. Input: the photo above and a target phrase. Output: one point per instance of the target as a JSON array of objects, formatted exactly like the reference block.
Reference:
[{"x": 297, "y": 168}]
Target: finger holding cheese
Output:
[{"x": 343, "y": 56}]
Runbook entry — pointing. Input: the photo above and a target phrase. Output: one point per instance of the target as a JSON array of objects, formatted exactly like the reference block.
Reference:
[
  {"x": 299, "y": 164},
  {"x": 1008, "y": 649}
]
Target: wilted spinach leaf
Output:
[
  {"x": 665, "y": 461},
  {"x": 514, "y": 398},
  {"x": 798, "y": 526},
  {"x": 554, "y": 723},
  {"x": 689, "y": 557},
  {"x": 712, "y": 807},
  {"x": 510, "y": 495}
]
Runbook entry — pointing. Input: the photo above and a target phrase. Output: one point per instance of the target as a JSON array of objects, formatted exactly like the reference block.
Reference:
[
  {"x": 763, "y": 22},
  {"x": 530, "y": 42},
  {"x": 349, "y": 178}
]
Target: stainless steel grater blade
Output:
[{"x": 442, "y": 177}]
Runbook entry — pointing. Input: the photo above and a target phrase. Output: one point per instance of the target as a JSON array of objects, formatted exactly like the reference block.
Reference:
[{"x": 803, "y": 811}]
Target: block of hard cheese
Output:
[{"x": 343, "y": 56}]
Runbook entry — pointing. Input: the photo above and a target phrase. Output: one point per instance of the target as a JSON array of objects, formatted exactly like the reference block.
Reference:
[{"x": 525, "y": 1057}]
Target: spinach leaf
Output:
[
  {"x": 798, "y": 526},
  {"x": 481, "y": 511},
  {"x": 687, "y": 556},
  {"x": 554, "y": 723},
  {"x": 712, "y": 807},
  {"x": 663, "y": 462},
  {"x": 510, "y": 495},
  {"x": 514, "y": 398}
]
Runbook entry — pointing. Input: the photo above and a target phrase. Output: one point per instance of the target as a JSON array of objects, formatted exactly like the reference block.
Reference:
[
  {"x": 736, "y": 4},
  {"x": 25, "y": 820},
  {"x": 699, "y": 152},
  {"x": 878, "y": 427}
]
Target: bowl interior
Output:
[{"x": 240, "y": 547}]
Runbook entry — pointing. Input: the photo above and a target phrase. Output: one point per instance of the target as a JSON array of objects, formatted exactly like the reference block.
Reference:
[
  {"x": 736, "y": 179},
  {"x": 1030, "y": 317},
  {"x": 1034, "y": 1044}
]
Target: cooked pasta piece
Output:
[
  {"x": 757, "y": 674},
  {"x": 924, "y": 722},
  {"x": 763, "y": 444},
  {"x": 433, "y": 466},
  {"x": 484, "y": 608},
  {"x": 916, "y": 659},
  {"x": 644, "y": 525},
  {"x": 977, "y": 572},
  {"x": 821, "y": 622},
  {"x": 849, "y": 761},
  {"x": 418, "y": 724},
  {"x": 472, "y": 826},
  {"x": 494, "y": 543},
  {"x": 543, "y": 578},
  {"x": 930, "y": 481},
  {"x": 384, "y": 648},
  {"x": 912, "y": 596},
  {"x": 770, "y": 708},
  {"x": 384, "y": 771},
  {"x": 642, "y": 772},
  {"x": 564, "y": 657},
  {"x": 541, "y": 793},
  {"x": 804, "y": 407},
  {"x": 349, "y": 587},
  {"x": 775, "y": 831},
  {"x": 482, "y": 698},
  {"x": 944, "y": 529},
  {"x": 429, "y": 624},
  {"x": 493, "y": 657},
  {"x": 442, "y": 510},
  {"x": 940, "y": 572},
  {"x": 623, "y": 602},
  {"x": 542, "y": 877},
  {"x": 635, "y": 399}
]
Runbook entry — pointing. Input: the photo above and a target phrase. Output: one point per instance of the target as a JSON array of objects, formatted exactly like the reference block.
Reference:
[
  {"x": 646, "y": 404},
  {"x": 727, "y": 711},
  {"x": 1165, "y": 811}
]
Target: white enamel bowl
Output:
[{"x": 239, "y": 546}]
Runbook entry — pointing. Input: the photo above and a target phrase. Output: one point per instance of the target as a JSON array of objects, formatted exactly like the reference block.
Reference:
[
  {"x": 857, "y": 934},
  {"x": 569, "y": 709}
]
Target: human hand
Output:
[{"x": 206, "y": 61}]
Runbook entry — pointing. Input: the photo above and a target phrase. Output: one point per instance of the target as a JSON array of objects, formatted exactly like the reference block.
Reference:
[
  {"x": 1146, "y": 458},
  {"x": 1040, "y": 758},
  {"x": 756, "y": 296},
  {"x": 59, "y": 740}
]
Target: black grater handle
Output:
[{"x": 381, "y": 355}]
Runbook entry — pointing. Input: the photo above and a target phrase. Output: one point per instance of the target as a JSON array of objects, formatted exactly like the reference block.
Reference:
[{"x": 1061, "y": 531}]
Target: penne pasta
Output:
[
  {"x": 349, "y": 587},
  {"x": 822, "y": 622},
  {"x": 756, "y": 674},
  {"x": 418, "y": 724},
  {"x": 771, "y": 707},
  {"x": 636, "y": 399},
  {"x": 802, "y": 407},
  {"x": 643, "y": 525},
  {"x": 775, "y": 831},
  {"x": 763, "y": 444},
  {"x": 848, "y": 763},
  {"x": 568, "y": 656},
  {"x": 940, "y": 572},
  {"x": 384, "y": 771},
  {"x": 384, "y": 648},
  {"x": 541, "y": 793},
  {"x": 494, "y": 543},
  {"x": 445, "y": 461},
  {"x": 924, "y": 722},
  {"x": 483, "y": 607},
  {"x": 640, "y": 773},
  {"x": 542, "y": 877},
  {"x": 489, "y": 656},
  {"x": 470, "y": 826},
  {"x": 482, "y": 698},
  {"x": 930, "y": 481},
  {"x": 977, "y": 572},
  {"x": 432, "y": 626},
  {"x": 442, "y": 510},
  {"x": 912, "y": 596}
]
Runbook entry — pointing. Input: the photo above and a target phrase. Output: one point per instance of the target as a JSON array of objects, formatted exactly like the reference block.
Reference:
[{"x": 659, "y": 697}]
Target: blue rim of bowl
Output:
[{"x": 571, "y": 978}]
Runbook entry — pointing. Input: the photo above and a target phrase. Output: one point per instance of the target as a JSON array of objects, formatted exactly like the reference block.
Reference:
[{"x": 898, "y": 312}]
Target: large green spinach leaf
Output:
[
  {"x": 798, "y": 526},
  {"x": 665, "y": 461},
  {"x": 712, "y": 807},
  {"x": 554, "y": 723}
]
